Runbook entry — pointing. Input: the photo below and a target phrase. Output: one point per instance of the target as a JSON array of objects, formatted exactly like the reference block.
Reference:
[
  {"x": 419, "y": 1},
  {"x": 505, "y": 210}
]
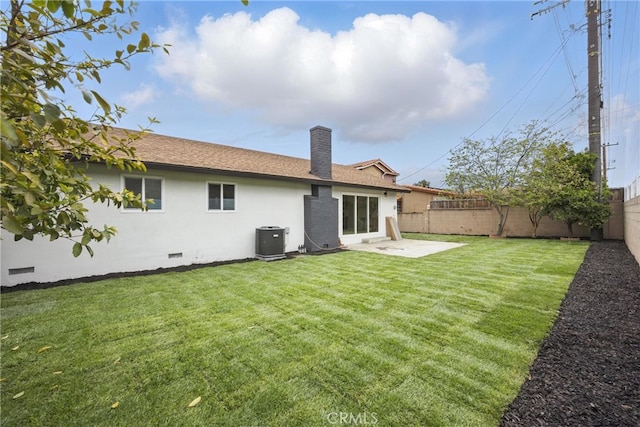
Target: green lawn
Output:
[{"x": 442, "y": 340}]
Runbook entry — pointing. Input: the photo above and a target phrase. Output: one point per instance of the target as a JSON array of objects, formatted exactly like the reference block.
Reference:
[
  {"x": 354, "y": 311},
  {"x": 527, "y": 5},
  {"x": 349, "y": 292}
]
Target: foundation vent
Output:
[{"x": 24, "y": 270}]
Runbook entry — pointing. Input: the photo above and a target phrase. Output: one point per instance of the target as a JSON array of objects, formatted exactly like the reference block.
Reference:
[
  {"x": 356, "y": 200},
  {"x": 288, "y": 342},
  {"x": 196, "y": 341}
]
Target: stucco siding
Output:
[{"x": 184, "y": 226}]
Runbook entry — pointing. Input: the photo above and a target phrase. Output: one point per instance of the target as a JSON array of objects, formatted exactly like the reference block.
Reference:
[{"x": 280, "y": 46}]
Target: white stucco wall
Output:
[{"x": 145, "y": 239}]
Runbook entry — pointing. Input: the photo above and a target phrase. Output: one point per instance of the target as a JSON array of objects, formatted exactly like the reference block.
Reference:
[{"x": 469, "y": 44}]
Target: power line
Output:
[
  {"x": 564, "y": 51},
  {"x": 553, "y": 58},
  {"x": 544, "y": 66}
]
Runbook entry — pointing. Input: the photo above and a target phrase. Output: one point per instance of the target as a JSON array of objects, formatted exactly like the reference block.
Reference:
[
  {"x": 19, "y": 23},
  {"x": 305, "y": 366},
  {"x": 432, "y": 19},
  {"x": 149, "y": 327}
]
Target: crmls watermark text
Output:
[{"x": 349, "y": 418}]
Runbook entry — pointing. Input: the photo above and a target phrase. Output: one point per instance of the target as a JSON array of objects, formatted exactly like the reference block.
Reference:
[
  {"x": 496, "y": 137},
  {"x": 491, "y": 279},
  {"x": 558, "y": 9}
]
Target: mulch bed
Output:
[{"x": 587, "y": 372}]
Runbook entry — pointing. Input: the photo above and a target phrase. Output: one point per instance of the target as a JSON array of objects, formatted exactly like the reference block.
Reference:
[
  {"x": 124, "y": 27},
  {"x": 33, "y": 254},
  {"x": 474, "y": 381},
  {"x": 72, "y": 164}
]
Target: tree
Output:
[
  {"x": 562, "y": 188},
  {"x": 534, "y": 192},
  {"x": 423, "y": 183},
  {"x": 495, "y": 169},
  {"x": 46, "y": 147},
  {"x": 532, "y": 196}
]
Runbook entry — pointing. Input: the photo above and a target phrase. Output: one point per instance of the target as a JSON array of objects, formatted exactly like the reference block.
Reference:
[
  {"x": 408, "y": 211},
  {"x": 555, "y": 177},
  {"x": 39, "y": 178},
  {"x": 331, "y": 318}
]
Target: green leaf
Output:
[
  {"x": 144, "y": 42},
  {"x": 104, "y": 104},
  {"x": 245, "y": 2},
  {"x": 68, "y": 8},
  {"x": 38, "y": 120},
  {"x": 106, "y": 7},
  {"x": 27, "y": 234},
  {"x": 86, "y": 238},
  {"x": 12, "y": 225},
  {"x": 59, "y": 125},
  {"x": 96, "y": 75},
  {"x": 51, "y": 112},
  {"x": 54, "y": 5},
  {"x": 29, "y": 199},
  {"x": 7, "y": 130},
  {"x": 63, "y": 218},
  {"x": 77, "y": 249},
  {"x": 131, "y": 48}
]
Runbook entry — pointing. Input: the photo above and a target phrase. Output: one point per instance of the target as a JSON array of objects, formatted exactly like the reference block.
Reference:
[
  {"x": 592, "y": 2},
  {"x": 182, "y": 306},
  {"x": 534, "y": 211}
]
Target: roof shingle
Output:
[{"x": 179, "y": 153}]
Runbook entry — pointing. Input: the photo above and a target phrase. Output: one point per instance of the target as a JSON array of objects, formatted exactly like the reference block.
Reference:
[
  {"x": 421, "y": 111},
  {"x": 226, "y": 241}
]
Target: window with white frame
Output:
[
  {"x": 221, "y": 197},
  {"x": 150, "y": 190},
  {"x": 360, "y": 214}
]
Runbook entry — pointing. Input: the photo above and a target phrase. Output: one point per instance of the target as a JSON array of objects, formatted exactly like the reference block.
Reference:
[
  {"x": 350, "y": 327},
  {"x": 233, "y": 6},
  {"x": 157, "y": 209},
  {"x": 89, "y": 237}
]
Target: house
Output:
[
  {"x": 209, "y": 201},
  {"x": 419, "y": 198},
  {"x": 377, "y": 168}
]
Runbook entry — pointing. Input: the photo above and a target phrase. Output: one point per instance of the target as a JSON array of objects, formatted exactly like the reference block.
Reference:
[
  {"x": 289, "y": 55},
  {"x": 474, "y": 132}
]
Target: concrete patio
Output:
[{"x": 404, "y": 247}]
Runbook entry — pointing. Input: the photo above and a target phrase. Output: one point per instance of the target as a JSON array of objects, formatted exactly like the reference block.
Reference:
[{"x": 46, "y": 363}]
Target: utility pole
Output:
[
  {"x": 605, "y": 166},
  {"x": 595, "y": 97},
  {"x": 548, "y": 8}
]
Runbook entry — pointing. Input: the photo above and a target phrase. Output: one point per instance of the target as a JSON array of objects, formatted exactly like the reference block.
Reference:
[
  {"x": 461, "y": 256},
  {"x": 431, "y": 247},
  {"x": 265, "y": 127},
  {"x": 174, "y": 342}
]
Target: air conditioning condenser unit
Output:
[{"x": 270, "y": 243}]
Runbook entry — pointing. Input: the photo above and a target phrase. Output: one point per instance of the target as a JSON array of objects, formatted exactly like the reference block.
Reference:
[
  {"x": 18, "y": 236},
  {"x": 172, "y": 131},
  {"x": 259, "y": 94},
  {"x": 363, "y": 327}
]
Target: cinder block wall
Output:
[
  {"x": 484, "y": 222},
  {"x": 632, "y": 226},
  {"x": 416, "y": 202},
  {"x": 614, "y": 228},
  {"x": 414, "y": 222},
  {"x": 462, "y": 221}
]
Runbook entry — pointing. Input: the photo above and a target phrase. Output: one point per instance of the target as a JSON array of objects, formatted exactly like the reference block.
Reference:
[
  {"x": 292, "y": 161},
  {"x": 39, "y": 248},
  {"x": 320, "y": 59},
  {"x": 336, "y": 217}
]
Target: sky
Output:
[{"x": 403, "y": 81}]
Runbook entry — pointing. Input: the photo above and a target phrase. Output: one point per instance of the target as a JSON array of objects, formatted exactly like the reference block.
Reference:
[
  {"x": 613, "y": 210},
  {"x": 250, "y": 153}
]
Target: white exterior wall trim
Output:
[{"x": 220, "y": 211}]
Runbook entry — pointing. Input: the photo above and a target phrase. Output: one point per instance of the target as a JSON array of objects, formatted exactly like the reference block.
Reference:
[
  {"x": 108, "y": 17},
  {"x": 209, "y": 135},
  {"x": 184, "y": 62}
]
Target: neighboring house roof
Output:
[
  {"x": 378, "y": 164},
  {"x": 188, "y": 155},
  {"x": 429, "y": 190}
]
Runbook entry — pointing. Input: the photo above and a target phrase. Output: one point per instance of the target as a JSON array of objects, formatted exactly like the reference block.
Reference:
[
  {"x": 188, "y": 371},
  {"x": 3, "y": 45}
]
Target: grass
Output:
[{"x": 440, "y": 340}]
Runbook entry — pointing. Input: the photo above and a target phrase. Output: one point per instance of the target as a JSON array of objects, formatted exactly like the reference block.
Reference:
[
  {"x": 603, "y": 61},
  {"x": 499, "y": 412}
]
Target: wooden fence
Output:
[{"x": 460, "y": 204}]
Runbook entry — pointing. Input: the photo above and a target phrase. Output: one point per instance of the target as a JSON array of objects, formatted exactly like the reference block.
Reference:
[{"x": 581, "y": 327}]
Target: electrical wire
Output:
[
  {"x": 564, "y": 51},
  {"x": 545, "y": 66}
]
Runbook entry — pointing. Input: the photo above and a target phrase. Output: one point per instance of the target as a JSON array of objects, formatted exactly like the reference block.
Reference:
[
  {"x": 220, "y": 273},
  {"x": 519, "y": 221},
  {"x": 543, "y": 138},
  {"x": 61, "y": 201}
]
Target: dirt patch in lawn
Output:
[{"x": 587, "y": 372}]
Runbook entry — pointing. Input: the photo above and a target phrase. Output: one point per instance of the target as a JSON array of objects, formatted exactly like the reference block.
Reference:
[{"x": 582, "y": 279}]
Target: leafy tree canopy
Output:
[
  {"x": 46, "y": 147},
  {"x": 423, "y": 183},
  {"x": 496, "y": 167},
  {"x": 560, "y": 186}
]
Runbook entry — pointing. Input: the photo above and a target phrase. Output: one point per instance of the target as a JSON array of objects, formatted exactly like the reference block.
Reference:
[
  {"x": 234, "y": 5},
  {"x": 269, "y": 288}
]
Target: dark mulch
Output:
[{"x": 587, "y": 372}]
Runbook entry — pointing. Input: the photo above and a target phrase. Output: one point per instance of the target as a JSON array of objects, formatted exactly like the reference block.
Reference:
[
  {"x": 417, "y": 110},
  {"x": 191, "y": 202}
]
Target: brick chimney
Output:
[
  {"x": 320, "y": 207},
  {"x": 321, "y": 152}
]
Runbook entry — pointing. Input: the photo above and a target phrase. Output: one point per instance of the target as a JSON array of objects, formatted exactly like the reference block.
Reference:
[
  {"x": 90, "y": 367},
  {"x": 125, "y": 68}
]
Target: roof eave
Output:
[{"x": 310, "y": 180}]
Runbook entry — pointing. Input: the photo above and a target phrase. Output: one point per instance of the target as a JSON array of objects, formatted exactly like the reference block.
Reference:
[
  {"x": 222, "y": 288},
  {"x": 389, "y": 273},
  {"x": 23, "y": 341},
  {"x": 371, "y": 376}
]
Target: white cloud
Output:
[
  {"x": 144, "y": 94},
  {"x": 377, "y": 81}
]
